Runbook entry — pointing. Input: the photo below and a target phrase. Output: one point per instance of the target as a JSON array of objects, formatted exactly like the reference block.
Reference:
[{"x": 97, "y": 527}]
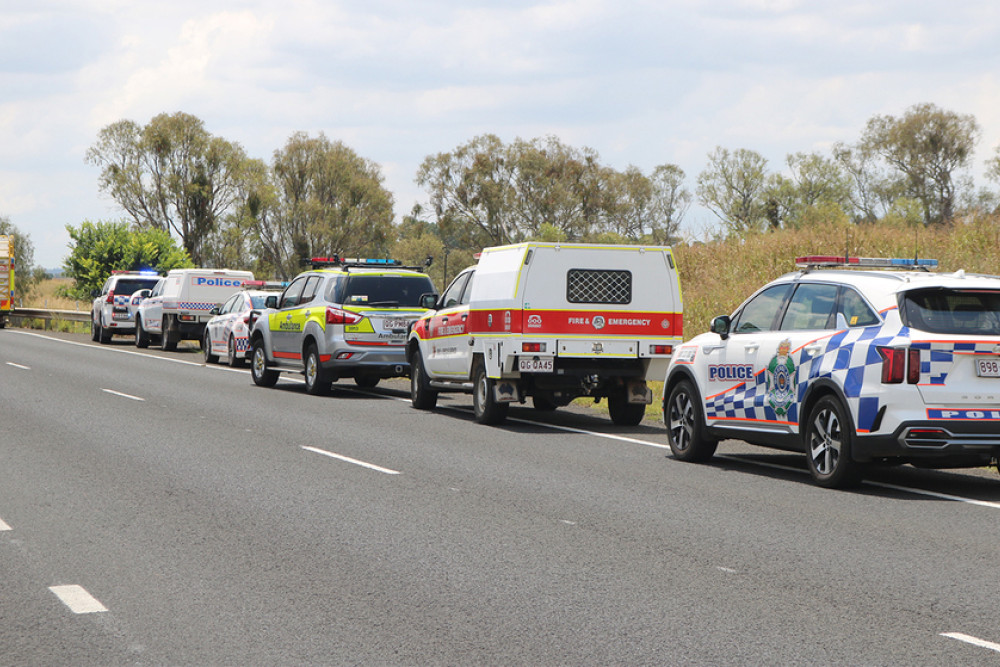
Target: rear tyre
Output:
[
  {"x": 206, "y": 348},
  {"x": 104, "y": 334},
  {"x": 141, "y": 337},
  {"x": 95, "y": 335},
  {"x": 421, "y": 395},
  {"x": 317, "y": 380},
  {"x": 366, "y": 381},
  {"x": 828, "y": 439},
  {"x": 167, "y": 342},
  {"x": 685, "y": 423},
  {"x": 624, "y": 413},
  {"x": 261, "y": 374},
  {"x": 485, "y": 407},
  {"x": 543, "y": 404}
]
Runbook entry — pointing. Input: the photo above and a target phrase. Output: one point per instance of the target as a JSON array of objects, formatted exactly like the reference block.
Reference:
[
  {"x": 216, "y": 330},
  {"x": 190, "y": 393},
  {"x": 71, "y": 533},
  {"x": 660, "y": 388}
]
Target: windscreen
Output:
[
  {"x": 130, "y": 286},
  {"x": 952, "y": 311},
  {"x": 383, "y": 290},
  {"x": 259, "y": 302}
]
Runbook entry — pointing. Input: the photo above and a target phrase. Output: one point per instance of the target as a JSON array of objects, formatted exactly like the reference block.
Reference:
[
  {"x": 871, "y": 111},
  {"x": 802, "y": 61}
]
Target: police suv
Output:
[
  {"x": 115, "y": 304},
  {"x": 344, "y": 318},
  {"x": 854, "y": 368}
]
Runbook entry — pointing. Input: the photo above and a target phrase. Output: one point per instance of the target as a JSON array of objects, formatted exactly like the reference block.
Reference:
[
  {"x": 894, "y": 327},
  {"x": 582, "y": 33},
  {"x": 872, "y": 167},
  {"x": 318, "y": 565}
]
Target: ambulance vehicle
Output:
[{"x": 551, "y": 321}]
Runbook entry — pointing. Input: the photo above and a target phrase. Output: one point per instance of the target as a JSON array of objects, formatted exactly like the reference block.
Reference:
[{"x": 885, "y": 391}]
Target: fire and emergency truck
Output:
[
  {"x": 6, "y": 278},
  {"x": 553, "y": 321}
]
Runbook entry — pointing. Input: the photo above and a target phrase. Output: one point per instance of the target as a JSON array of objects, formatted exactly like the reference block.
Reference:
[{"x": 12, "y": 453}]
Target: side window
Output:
[
  {"x": 467, "y": 292},
  {"x": 856, "y": 311},
  {"x": 453, "y": 295},
  {"x": 761, "y": 312},
  {"x": 309, "y": 291},
  {"x": 233, "y": 304},
  {"x": 290, "y": 297},
  {"x": 811, "y": 307}
]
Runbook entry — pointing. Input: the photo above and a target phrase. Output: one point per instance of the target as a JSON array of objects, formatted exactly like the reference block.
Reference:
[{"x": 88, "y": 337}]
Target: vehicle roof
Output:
[{"x": 891, "y": 282}]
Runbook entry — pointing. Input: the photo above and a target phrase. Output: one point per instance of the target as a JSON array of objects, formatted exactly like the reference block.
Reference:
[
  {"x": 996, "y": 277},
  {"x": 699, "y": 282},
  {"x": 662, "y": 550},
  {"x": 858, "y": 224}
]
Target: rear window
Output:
[
  {"x": 950, "y": 311},
  {"x": 381, "y": 291},
  {"x": 130, "y": 286}
]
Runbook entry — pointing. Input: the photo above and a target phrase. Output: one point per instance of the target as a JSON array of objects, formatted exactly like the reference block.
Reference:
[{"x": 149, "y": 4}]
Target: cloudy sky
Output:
[{"x": 642, "y": 82}]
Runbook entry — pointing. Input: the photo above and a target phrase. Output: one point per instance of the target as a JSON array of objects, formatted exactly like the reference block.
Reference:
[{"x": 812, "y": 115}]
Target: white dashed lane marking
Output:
[
  {"x": 78, "y": 599},
  {"x": 118, "y": 393}
]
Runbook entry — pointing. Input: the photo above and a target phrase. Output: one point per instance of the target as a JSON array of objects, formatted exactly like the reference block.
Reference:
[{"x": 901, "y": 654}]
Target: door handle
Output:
[
  {"x": 751, "y": 347},
  {"x": 814, "y": 350}
]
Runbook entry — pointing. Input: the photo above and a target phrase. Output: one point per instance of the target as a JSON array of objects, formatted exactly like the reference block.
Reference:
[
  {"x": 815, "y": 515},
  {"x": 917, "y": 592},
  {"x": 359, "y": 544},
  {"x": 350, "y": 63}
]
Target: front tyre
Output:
[
  {"x": 141, "y": 336},
  {"x": 206, "y": 348},
  {"x": 231, "y": 358},
  {"x": 317, "y": 380},
  {"x": 261, "y": 374},
  {"x": 422, "y": 397},
  {"x": 685, "y": 423},
  {"x": 828, "y": 438},
  {"x": 485, "y": 407}
]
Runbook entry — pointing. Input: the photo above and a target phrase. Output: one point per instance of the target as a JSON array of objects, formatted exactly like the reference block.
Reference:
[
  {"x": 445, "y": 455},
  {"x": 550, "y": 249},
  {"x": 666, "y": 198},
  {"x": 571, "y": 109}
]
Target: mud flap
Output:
[
  {"x": 506, "y": 391},
  {"x": 638, "y": 392}
]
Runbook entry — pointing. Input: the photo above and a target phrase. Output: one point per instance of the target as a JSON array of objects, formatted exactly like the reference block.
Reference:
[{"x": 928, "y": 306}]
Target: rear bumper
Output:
[
  {"x": 380, "y": 361},
  {"x": 936, "y": 442}
]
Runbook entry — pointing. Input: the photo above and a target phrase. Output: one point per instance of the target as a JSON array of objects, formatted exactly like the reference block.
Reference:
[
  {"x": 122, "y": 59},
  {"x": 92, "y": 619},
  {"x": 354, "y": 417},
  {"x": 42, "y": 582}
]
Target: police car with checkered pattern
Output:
[{"x": 852, "y": 367}]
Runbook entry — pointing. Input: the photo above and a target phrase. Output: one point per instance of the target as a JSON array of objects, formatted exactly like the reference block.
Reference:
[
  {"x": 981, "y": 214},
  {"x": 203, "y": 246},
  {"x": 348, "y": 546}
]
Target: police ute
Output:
[
  {"x": 179, "y": 306},
  {"x": 553, "y": 322},
  {"x": 855, "y": 362}
]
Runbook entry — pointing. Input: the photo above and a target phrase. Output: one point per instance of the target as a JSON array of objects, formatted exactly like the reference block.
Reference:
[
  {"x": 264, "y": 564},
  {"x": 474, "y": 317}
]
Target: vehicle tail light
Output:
[
  {"x": 661, "y": 349},
  {"x": 532, "y": 347},
  {"x": 339, "y": 316},
  {"x": 111, "y": 296},
  {"x": 899, "y": 363},
  {"x": 913, "y": 366},
  {"x": 246, "y": 317}
]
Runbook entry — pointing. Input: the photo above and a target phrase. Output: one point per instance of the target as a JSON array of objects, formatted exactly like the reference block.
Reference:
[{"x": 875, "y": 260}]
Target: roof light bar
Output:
[
  {"x": 336, "y": 260},
  {"x": 811, "y": 261}
]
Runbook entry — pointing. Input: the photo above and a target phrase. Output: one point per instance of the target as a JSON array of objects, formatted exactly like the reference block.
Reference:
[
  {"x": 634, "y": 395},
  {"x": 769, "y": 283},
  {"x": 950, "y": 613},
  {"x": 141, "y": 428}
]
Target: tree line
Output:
[{"x": 318, "y": 197}]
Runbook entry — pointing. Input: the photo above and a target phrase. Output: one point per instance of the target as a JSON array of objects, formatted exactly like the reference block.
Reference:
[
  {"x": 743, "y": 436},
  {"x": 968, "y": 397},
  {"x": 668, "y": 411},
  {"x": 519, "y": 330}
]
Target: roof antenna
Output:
[{"x": 847, "y": 245}]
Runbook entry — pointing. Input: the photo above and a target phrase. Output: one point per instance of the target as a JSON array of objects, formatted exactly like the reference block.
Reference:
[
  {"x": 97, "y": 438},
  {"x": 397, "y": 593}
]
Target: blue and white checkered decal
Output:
[{"x": 850, "y": 358}]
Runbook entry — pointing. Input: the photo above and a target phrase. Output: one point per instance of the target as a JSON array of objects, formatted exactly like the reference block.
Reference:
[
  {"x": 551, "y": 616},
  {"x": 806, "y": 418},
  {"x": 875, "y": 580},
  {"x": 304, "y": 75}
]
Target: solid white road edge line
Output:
[
  {"x": 347, "y": 459},
  {"x": 78, "y": 599},
  {"x": 23, "y": 368},
  {"x": 975, "y": 641},
  {"x": 118, "y": 393},
  {"x": 110, "y": 349}
]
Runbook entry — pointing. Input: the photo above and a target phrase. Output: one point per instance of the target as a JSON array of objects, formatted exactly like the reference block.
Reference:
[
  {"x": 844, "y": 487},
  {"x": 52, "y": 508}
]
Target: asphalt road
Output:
[{"x": 157, "y": 511}]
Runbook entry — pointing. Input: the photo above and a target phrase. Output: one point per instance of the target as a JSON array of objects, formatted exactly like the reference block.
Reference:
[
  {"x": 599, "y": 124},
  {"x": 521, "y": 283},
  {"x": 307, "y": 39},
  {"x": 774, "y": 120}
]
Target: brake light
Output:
[
  {"x": 661, "y": 349},
  {"x": 532, "y": 347},
  {"x": 339, "y": 316},
  {"x": 899, "y": 363},
  {"x": 111, "y": 296}
]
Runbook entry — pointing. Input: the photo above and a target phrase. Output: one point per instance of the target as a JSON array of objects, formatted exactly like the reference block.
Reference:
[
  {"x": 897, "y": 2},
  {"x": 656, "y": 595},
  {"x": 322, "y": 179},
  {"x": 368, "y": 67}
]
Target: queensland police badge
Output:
[{"x": 781, "y": 379}]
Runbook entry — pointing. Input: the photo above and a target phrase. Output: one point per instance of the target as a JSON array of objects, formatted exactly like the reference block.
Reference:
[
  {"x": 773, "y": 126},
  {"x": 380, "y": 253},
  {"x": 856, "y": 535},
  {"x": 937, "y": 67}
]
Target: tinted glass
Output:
[
  {"x": 856, "y": 311},
  {"x": 258, "y": 301},
  {"x": 385, "y": 290},
  {"x": 948, "y": 311},
  {"x": 811, "y": 307},
  {"x": 760, "y": 313},
  {"x": 132, "y": 285},
  {"x": 453, "y": 295},
  {"x": 291, "y": 296}
]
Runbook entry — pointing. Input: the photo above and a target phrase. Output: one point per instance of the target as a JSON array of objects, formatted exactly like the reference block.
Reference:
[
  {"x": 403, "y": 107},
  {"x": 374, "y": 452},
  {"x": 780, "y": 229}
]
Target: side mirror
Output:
[
  {"x": 428, "y": 301},
  {"x": 215, "y": 310},
  {"x": 271, "y": 302},
  {"x": 94, "y": 293},
  {"x": 143, "y": 293},
  {"x": 720, "y": 325}
]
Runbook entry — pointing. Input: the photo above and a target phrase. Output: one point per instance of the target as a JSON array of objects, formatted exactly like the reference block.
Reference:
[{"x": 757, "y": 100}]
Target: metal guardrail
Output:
[{"x": 48, "y": 315}]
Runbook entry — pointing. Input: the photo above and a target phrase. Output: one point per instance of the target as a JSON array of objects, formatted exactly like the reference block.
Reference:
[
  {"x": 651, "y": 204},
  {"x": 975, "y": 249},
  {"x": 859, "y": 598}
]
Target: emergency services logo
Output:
[
  {"x": 598, "y": 322},
  {"x": 534, "y": 321},
  {"x": 781, "y": 379}
]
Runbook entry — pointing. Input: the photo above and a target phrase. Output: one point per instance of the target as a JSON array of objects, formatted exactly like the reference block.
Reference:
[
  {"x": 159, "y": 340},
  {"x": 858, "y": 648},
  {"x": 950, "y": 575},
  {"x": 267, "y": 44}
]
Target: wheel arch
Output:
[{"x": 816, "y": 391}]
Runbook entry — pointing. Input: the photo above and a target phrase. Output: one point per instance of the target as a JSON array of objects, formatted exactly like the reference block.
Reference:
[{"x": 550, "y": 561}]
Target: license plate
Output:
[
  {"x": 120, "y": 316},
  {"x": 395, "y": 324},
  {"x": 988, "y": 368},
  {"x": 541, "y": 365}
]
